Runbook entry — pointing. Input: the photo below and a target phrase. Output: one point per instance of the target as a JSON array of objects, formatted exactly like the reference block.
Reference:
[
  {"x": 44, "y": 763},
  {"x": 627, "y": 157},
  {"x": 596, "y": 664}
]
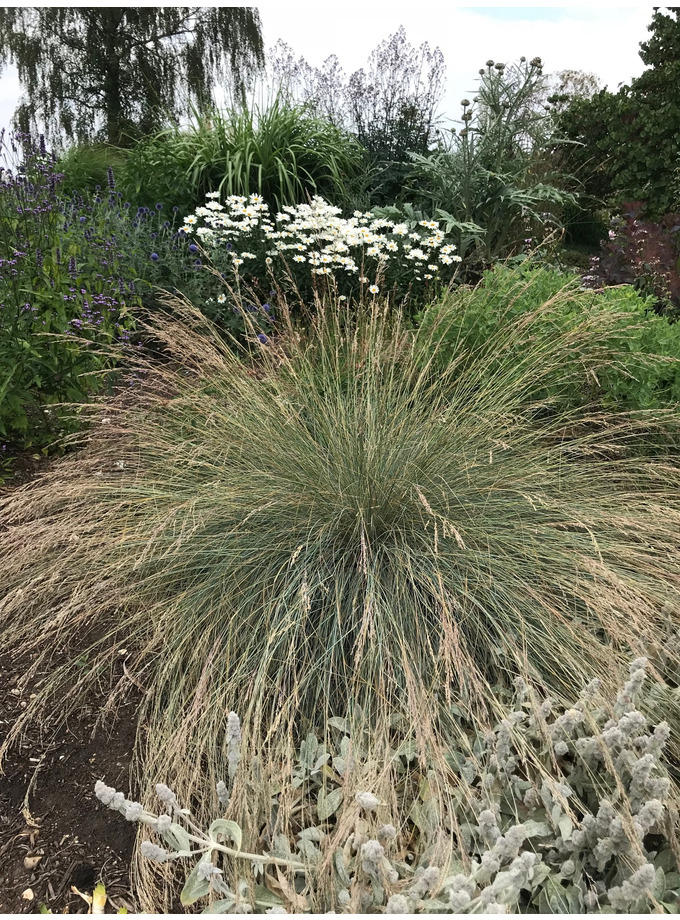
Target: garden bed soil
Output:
[{"x": 54, "y": 834}]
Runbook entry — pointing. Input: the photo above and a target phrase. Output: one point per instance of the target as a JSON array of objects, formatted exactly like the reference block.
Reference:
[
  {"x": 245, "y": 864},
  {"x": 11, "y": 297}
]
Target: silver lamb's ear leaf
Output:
[
  {"x": 536, "y": 829},
  {"x": 327, "y": 805},
  {"x": 220, "y": 907},
  {"x": 194, "y": 887},
  {"x": 339, "y": 723},
  {"x": 266, "y": 898},
  {"x": 178, "y": 838},
  {"x": 223, "y": 828}
]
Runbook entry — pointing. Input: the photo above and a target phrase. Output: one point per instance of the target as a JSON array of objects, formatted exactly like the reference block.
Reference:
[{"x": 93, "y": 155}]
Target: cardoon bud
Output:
[{"x": 110, "y": 180}]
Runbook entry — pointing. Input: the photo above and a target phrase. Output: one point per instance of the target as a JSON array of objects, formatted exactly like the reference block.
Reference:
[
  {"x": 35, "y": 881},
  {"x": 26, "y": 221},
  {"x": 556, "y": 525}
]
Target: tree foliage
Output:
[
  {"x": 390, "y": 105},
  {"x": 628, "y": 141},
  {"x": 110, "y": 72}
]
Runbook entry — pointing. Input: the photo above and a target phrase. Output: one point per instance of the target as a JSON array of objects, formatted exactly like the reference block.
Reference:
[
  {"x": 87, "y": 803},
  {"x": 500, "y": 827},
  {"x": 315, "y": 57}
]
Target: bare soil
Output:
[{"x": 54, "y": 834}]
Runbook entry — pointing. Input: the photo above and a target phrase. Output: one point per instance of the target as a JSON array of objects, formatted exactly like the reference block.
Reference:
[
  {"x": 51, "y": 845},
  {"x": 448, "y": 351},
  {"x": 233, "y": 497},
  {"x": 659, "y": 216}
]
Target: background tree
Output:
[
  {"x": 390, "y": 105},
  {"x": 628, "y": 141},
  {"x": 112, "y": 72},
  {"x": 567, "y": 85}
]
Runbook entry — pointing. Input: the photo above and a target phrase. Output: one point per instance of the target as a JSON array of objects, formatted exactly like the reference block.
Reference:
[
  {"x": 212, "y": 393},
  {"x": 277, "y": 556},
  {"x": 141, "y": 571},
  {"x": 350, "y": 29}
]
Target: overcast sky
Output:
[{"x": 601, "y": 40}]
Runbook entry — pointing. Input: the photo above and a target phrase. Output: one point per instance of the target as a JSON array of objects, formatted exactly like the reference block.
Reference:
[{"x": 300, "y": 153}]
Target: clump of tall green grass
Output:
[
  {"x": 330, "y": 527},
  {"x": 277, "y": 149}
]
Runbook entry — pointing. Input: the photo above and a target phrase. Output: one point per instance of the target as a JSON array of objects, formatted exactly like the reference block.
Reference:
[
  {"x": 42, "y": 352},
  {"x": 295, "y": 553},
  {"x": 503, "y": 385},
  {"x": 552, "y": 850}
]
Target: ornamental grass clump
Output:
[{"x": 324, "y": 525}]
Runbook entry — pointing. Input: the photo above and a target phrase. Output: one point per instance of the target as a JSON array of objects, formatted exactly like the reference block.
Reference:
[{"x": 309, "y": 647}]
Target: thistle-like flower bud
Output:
[
  {"x": 233, "y": 729},
  {"x": 465, "y": 102},
  {"x": 398, "y": 904},
  {"x": 151, "y": 851},
  {"x": 206, "y": 870},
  {"x": 166, "y": 795},
  {"x": 163, "y": 823},
  {"x": 222, "y": 793},
  {"x": 367, "y": 800},
  {"x": 133, "y": 811}
]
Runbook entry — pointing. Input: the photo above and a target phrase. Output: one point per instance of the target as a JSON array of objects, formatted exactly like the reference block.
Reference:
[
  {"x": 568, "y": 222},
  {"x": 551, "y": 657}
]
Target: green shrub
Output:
[
  {"x": 636, "y": 365},
  {"x": 84, "y": 167},
  {"x": 279, "y": 150},
  {"x": 585, "y": 826}
]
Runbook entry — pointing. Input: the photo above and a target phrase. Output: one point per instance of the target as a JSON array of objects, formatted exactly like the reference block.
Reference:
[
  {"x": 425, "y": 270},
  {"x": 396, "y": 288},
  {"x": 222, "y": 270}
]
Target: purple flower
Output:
[
  {"x": 266, "y": 307},
  {"x": 159, "y": 206},
  {"x": 111, "y": 182},
  {"x": 193, "y": 247},
  {"x": 154, "y": 257},
  {"x": 261, "y": 337},
  {"x": 72, "y": 270}
]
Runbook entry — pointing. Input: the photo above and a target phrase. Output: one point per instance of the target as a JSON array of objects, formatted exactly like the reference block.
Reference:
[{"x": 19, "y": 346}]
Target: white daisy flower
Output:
[
  {"x": 374, "y": 289},
  {"x": 222, "y": 298}
]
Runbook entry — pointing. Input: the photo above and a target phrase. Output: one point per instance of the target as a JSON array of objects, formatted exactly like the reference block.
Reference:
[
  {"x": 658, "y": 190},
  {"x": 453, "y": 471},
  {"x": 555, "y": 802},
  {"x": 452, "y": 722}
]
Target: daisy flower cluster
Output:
[{"x": 312, "y": 243}]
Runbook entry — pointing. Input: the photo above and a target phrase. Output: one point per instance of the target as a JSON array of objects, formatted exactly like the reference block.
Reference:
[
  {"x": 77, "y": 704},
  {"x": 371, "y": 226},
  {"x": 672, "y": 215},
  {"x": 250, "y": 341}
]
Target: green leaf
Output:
[
  {"x": 223, "y": 828},
  {"x": 327, "y": 805},
  {"x": 194, "y": 887}
]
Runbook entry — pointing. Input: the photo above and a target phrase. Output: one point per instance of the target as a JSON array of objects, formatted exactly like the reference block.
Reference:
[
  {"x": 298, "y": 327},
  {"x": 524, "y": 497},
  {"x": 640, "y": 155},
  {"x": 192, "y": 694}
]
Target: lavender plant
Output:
[
  {"x": 555, "y": 811},
  {"x": 64, "y": 292}
]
